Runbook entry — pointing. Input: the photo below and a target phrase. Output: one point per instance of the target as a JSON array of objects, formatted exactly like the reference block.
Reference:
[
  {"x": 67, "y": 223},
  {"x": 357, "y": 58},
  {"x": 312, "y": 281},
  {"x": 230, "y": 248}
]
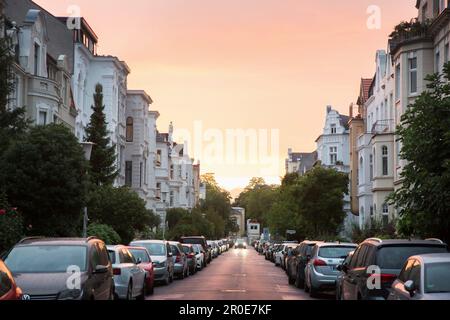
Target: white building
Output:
[
  {"x": 253, "y": 230},
  {"x": 43, "y": 64},
  {"x": 333, "y": 151},
  {"x": 376, "y": 146}
]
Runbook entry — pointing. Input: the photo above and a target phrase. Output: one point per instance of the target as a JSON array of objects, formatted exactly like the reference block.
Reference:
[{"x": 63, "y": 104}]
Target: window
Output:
[
  {"x": 397, "y": 82},
  {"x": 333, "y": 155},
  {"x": 141, "y": 171},
  {"x": 129, "y": 173},
  {"x": 371, "y": 211},
  {"x": 172, "y": 170},
  {"x": 129, "y": 132},
  {"x": 158, "y": 190},
  {"x": 5, "y": 283},
  {"x": 437, "y": 62},
  {"x": 158, "y": 158},
  {"x": 371, "y": 167},
  {"x": 172, "y": 198},
  {"x": 42, "y": 118},
  {"x": 385, "y": 208},
  {"x": 385, "y": 160},
  {"x": 145, "y": 171},
  {"x": 361, "y": 170},
  {"x": 37, "y": 59},
  {"x": 64, "y": 91},
  {"x": 333, "y": 129},
  {"x": 446, "y": 52},
  {"x": 413, "y": 75}
]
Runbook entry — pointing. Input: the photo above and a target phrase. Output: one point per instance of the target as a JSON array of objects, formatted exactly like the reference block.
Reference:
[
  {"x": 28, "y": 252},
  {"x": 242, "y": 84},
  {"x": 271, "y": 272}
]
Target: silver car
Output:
[
  {"x": 161, "y": 255},
  {"x": 424, "y": 277},
  {"x": 180, "y": 261},
  {"x": 129, "y": 278},
  {"x": 321, "y": 272},
  {"x": 199, "y": 256}
]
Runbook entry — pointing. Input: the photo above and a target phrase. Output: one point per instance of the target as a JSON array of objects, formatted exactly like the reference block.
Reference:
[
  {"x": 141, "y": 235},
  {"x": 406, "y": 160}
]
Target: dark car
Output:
[
  {"x": 202, "y": 241},
  {"x": 8, "y": 287},
  {"x": 62, "y": 269},
  {"x": 297, "y": 264},
  {"x": 190, "y": 253},
  {"x": 376, "y": 264}
]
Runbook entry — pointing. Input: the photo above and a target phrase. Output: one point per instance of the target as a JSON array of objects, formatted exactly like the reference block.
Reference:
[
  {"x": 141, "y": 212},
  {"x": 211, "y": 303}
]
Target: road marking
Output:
[{"x": 234, "y": 291}]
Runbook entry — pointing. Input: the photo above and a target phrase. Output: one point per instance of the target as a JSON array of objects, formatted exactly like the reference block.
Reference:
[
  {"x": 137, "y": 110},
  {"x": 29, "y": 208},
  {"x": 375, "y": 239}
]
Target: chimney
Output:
[
  {"x": 351, "y": 111},
  {"x": 328, "y": 109}
]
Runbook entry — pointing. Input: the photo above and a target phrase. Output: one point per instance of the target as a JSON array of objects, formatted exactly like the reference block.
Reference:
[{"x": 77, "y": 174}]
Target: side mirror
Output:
[
  {"x": 410, "y": 286},
  {"x": 100, "y": 269},
  {"x": 139, "y": 261},
  {"x": 170, "y": 254}
]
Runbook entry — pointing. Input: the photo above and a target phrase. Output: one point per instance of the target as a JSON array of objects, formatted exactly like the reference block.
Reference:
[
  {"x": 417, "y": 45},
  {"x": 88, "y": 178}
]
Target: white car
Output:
[
  {"x": 199, "y": 256},
  {"x": 129, "y": 278}
]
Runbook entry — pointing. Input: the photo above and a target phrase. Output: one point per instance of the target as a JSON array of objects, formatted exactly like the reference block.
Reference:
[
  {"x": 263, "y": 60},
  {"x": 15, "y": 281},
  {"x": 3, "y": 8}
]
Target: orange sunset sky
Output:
[{"x": 258, "y": 64}]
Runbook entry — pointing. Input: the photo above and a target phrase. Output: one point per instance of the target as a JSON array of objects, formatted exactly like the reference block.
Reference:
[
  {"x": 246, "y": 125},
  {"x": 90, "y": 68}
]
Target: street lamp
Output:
[{"x": 87, "y": 148}]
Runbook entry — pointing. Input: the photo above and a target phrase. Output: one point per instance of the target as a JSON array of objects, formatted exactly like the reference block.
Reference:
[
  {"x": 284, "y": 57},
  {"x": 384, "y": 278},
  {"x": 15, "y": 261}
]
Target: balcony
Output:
[
  {"x": 43, "y": 87},
  {"x": 408, "y": 33},
  {"x": 383, "y": 127}
]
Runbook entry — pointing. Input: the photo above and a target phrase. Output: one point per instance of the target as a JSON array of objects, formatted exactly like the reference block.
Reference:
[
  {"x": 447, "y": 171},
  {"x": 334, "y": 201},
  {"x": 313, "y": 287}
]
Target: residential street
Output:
[{"x": 236, "y": 275}]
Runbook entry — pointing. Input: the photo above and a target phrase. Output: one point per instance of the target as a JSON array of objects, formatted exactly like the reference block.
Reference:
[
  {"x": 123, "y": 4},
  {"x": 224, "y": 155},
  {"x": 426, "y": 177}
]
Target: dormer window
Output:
[
  {"x": 37, "y": 58},
  {"x": 333, "y": 129}
]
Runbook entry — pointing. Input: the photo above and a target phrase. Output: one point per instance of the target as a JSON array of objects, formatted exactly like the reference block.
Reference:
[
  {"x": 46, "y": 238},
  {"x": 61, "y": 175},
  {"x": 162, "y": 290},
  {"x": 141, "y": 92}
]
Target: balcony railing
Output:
[
  {"x": 409, "y": 32},
  {"x": 383, "y": 126}
]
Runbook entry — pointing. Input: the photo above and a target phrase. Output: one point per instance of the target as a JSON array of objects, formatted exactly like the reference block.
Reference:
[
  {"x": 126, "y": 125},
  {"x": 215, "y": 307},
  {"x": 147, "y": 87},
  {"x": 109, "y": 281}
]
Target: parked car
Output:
[
  {"x": 8, "y": 288},
  {"x": 389, "y": 256},
  {"x": 189, "y": 251},
  {"x": 240, "y": 244},
  {"x": 282, "y": 253},
  {"x": 214, "y": 249},
  {"x": 202, "y": 241},
  {"x": 42, "y": 268},
  {"x": 321, "y": 271},
  {"x": 297, "y": 264},
  {"x": 129, "y": 279},
  {"x": 424, "y": 277},
  {"x": 144, "y": 261},
  {"x": 161, "y": 255},
  {"x": 199, "y": 256},
  {"x": 341, "y": 274},
  {"x": 180, "y": 261}
]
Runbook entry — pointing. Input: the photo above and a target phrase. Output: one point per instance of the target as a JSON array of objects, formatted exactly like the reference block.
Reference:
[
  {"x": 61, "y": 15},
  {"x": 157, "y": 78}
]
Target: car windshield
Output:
[
  {"x": 112, "y": 256},
  {"x": 154, "y": 249},
  {"x": 192, "y": 241},
  {"x": 140, "y": 254},
  {"x": 437, "y": 277},
  {"x": 340, "y": 252},
  {"x": 46, "y": 259},
  {"x": 240, "y": 241},
  {"x": 394, "y": 257},
  {"x": 186, "y": 249}
]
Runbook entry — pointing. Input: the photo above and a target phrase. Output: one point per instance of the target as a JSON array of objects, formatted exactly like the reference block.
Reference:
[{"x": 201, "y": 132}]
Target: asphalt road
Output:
[{"x": 236, "y": 275}]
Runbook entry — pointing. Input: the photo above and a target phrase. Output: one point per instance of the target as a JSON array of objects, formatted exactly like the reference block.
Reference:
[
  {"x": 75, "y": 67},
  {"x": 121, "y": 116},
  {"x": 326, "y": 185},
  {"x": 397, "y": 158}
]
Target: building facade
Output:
[
  {"x": 300, "y": 162},
  {"x": 43, "y": 64},
  {"x": 333, "y": 152}
]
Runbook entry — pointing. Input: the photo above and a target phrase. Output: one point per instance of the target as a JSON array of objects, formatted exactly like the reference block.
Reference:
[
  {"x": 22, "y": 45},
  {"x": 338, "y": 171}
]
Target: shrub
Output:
[{"x": 104, "y": 232}]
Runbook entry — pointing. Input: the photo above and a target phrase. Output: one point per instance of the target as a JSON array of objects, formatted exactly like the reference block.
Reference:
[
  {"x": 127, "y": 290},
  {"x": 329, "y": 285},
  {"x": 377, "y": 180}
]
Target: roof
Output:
[
  {"x": 162, "y": 137},
  {"x": 146, "y": 241},
  {"x": 53, "y": 241},
  {"x": 404, "y": 242},
  {"x": 60, "y": 37},
  {"x": 344, "y": 121},
  {"x": 334, "y": 244},
  {"x": 364, "y": 90},
  {"x": 141, "y": 93},
  {"x": 434, "y": 258}
]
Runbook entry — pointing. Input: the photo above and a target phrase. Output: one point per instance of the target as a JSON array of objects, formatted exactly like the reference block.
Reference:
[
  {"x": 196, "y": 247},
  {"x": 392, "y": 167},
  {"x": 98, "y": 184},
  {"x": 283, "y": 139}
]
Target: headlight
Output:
[
  {"x": 70, "y": 295},
  {"x": 159, "y": 264}
]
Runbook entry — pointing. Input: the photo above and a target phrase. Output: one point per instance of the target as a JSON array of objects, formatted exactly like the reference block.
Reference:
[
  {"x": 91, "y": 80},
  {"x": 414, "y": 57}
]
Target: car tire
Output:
[
  {"x": 299, "y": 283},
  {"x": 313, "y": 292},
  {"x": 307, "y": 288},
  {"x": 167, "y": 280},
  {"x": 130, "y": 291},
  {"x": 144, "y": 291}
]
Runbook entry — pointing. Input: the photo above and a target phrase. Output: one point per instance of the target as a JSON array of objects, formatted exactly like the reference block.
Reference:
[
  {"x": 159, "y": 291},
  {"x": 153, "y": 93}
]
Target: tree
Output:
[
  {"x": 320, "y": 195},
  {"x": 424, "y": 197},
  {"x": 43, "y": 175},
  {"x": 103, "y": 170},
  {"x": 11, "y": 225},
  {"x": 122, "y": 209},
  {"x": 104, "y": 232}
]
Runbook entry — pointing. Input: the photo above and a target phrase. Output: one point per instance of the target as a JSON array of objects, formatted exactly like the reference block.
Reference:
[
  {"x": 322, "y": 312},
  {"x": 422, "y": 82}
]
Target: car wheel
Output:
[
  {"x": 130, "y": 291},
  {"x": 144, "y": 290},
  {"x": 167, "y": 280},
  {"x": 299, "y": 283},
  {"x": 112, "y": 294},
  {"x": 307, "y": 288},
  {"x": 313, "y": 292}
]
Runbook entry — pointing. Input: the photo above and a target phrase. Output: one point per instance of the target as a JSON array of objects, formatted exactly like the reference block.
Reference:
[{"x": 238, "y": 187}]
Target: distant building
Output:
[
  {"x": 300, "y": 162},
  {"x": 238, "y": 215},
  {"x": 253, "y": 230}
]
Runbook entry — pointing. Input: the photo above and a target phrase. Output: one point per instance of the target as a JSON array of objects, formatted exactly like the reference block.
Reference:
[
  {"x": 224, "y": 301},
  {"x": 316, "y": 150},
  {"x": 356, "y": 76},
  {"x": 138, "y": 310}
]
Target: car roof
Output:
[
  {"x": 55, "y": 241},
  {"x": 174, "y": 242},
  {"x": 193, "y": 237},
  {"x": 114, "y": 247},
  {"x": 388, "y": 242},
  {"x": 433, "y": 258},
  {"x": 336, "y": 244},
  {"x": 136, "y": 248},
  {"x": 148, "y": 241}
]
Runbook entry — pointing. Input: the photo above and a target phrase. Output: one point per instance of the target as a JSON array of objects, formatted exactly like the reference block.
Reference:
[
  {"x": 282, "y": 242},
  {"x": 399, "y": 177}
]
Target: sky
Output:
[{"x": 221, "y": 69}]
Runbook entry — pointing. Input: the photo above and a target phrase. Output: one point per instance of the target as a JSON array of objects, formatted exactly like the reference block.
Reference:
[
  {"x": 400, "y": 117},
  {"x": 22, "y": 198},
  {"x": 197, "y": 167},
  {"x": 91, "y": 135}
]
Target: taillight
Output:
[
  {"x": 387, "y": 277},
  {"x": 319, "y": 263},
  {"x": 117, "y": 271},
  {"x": 178, "y": 258},
  {"x": 191, "y": 255}
]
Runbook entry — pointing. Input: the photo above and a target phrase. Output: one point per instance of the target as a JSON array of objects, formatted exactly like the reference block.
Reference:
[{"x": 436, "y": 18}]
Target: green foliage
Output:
[
  {"x": 122, "y": 209},
  {"x": 190, "y": 224},
  {"x": 43, "y": 174},
  {"x": 104, "y": 232},
  {"x": 11, "y": 225},
  {"x": 376, "y": 229},
  {"x": 6, "y": 74},
  {"x": 423, "y": 200},
  {"x": 102, "y": 164}
]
